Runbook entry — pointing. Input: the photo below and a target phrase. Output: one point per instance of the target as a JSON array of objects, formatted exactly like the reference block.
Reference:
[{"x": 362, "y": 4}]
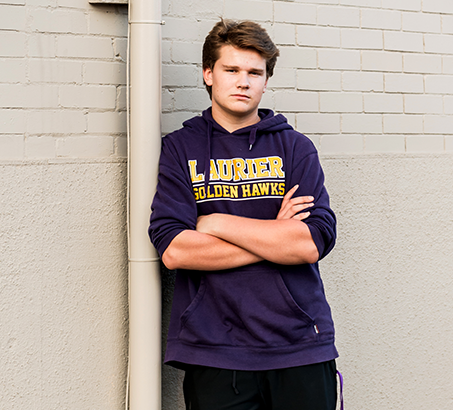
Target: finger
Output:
[{"x": 301, "y": 216}]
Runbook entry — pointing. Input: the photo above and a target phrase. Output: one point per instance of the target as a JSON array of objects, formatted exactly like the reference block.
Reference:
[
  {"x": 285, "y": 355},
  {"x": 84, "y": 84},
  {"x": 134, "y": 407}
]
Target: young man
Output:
[{"x": 242, "y": 214}]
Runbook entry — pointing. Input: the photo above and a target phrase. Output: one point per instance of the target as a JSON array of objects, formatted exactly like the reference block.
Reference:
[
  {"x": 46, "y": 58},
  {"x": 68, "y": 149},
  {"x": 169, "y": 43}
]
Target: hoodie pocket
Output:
[{"x": 245, "y": 308}]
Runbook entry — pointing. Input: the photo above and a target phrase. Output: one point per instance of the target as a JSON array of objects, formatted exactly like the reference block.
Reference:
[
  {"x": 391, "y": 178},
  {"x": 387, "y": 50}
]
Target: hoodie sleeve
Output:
[
  {"x": 173, "y": 208},
  {"x": 307, "y": 172}
]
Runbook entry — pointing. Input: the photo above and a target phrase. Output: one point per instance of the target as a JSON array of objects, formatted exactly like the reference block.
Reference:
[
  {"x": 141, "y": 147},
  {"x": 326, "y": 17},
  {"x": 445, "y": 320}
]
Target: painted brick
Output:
[
  {"x": 338, "y": 16},
  {"x": 84, "y": 47},
  {"x": 55, "y": 71},
  {"x": 382, "y": 61},
  {"x": 417, "y": 143},
  {"x": 448, "y": 143},
  {"x": 40, "y": 147},
  {"x": 422, "y": 63},
  {"x": 121, "y": 98},
  {"x": 42, "y": 45},
  {"x": 173, "y": 121},
  {"x": 336, "y": 144},
  {"x": 381, "y": 19},
  {"x": 198, "y": 8},
  {"x": 385, "y": 143},
  {"x": 56, "y": 122},
  {"x": 361, "y": 123},
  {"x": 107, "y": 23},
  {"x": 361, "y": 39},
  {"x": 180, "y": 29},
  {"x": 423, "y": 104},
  {"x": 447, "y": 24},
  {"x": 318, "y": 80},
  {"x": 85, "y": 146},
  {"x": 48, "y": 20},
  {"x": 340, "y": 102},
  {"x": 284, "y": 34},
  {"x": 411, "y": 5},
  {"x": 339, "y": 59},
  {"x": 437, "y": 124},
  {"x": 27, "y": 96},
  {"x": 120, "y": 48},
  {"x": 13, "y": 70},
  {"x": 248, "y": 10},
  {"x": 12, "y": 44},
  {"x": 312, "y": 123},
  {"x": 100, "y": 72},
  {"x": 267, "y": 100},
  {"x": 448, "y": 104},
  {"x": 438, "y": 6},
  {"x": 88, "y": 96},
  {"x": 283, "y": 78},
  {"x": 403, "y": 83},
  {"x": 383, "y": 103},
  {"x": 107, "y": 122},
  {"x": 179, "y": 75},
  {"x": 439, "y": 84},
  {"x": 167, "y": 100},
  {"x": 447, "y": 64},
  {"x": 296, "y": 13},
  {"x": 188, "y": 53},
  {"x": 397, "y": 41},
  {"x": 12, "y": 17},
  {"x": 297, "y": 57},
  {"x": 403, "y": 124},
  {"x": 439, "y": 43},
  {"x": 11, "y": 147},
  {"x": 166, "y": 51},
  {"x": 13, "y": 2},
  {"x": 296, "y": 101},
  {"x": 421, "y": 22},
  {"x": 120, "y": 146},
  {"x": 319, "y": 1},
  {"x": 318, "y": 36},
  {"x": 191, "y": 99},
  {"x": 12, "y": 121},
  {"x": 362, "y": 3},
  {"x": 73, "y": 4},
  {"x": 362, "y": 81},
  {"x": 42, "y": 3}
]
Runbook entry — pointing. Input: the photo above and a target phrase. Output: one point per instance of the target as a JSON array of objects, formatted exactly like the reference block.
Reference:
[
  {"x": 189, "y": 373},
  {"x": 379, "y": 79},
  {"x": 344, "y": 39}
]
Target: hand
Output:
[{"x": 292, "y": 208}]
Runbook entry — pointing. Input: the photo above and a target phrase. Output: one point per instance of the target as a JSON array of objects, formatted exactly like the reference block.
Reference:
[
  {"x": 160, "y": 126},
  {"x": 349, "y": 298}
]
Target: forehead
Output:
[{"x": 240, "y": 57}]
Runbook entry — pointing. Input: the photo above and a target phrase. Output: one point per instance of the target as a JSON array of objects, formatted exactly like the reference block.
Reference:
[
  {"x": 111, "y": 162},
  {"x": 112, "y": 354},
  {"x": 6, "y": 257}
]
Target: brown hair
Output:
[{"x": 247, "y": 35}]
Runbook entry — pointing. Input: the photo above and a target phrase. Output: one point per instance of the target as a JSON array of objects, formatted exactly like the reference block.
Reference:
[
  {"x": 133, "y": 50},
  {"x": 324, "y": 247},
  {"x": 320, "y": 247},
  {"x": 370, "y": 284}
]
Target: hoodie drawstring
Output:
[
  {"x": 252, "y": 137},
  {"x": 207, "y": 163}
]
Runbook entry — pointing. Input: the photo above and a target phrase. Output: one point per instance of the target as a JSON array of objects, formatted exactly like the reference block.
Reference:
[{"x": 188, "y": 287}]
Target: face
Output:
[{"x": 238, "y": 82}]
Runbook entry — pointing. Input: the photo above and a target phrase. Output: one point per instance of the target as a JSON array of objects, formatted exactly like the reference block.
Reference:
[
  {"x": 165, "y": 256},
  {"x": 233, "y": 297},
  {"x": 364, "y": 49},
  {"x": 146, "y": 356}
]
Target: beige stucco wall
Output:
[{"x": 63, "y": 285}]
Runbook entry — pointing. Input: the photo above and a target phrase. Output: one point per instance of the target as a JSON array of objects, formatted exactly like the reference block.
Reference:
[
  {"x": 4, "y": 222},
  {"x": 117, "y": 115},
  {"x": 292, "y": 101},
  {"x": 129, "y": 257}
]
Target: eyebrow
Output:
[{"x": 235, "y": 67}]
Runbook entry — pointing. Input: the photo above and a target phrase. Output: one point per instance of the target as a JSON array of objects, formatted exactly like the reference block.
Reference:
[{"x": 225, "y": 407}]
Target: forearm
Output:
[
  {"x": 199, "y": 251},
  {"x": 286, "y": 241}
]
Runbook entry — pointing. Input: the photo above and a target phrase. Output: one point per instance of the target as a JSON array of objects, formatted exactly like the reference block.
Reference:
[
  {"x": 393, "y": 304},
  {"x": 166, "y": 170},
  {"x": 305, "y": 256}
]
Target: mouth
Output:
[{"x": 241, "y": 96}]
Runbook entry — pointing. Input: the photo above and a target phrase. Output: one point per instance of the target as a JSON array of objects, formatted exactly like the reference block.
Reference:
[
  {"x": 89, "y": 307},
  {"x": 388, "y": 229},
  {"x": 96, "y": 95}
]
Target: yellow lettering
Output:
[
  {"x": 201, "y": 193},
  {"x": 225, "y": 192},
  {"x": 225, "y": 169},
  {"x": 234, "y": 191},
  {"x": 281, "y": 188},
  {"x": 239, "y": 166},
  {"x": 195, "y": 192},
  {"x": 218, "y": 190},
  {"x": 255, "y": 191},
  {"x": 276, "y": 165},
  {"x": 251, "y": 172},
  {"x": 264, "y": 188},
  {"x": 246, "y": 191},
  {"x": 261, "y": 167},
  {"x": 274, "y": 186},
  {"x": 193, "y": 171},
  {"x": 209, "y": 192},
  {"x": 214, "y": 174}
]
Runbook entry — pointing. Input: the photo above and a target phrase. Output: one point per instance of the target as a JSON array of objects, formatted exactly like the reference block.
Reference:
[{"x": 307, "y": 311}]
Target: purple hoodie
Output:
[{"x": 261, "y": 316}]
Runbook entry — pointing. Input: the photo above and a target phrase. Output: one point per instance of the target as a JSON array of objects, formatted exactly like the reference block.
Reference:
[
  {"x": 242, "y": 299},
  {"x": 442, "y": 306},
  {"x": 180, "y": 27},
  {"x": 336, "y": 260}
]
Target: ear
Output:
[
  {"x": 207, "y": 76},
  {"x": 265, "y": 86}
]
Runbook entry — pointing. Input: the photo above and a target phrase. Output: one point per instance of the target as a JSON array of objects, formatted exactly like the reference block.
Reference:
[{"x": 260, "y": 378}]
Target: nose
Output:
[{"x": 243, "y": 81}]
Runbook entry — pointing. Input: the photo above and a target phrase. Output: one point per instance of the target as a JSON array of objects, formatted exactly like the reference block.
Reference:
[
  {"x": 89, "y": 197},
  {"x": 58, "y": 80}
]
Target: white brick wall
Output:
[
  {"x": 63, "y": 76},
  {"x": 373, "y": 67}
]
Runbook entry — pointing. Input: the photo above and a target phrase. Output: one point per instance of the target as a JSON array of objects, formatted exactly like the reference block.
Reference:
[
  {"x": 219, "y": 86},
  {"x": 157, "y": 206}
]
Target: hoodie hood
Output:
[{"x": 269, "y": 123}]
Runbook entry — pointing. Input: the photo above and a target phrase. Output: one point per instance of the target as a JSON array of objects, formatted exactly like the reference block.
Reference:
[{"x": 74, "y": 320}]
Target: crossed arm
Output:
[{"x": 223, "y": 241}]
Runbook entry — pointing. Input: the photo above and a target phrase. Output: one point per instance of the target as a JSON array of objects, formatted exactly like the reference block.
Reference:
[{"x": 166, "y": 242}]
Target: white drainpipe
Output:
[{"x": 144, "y": 143}]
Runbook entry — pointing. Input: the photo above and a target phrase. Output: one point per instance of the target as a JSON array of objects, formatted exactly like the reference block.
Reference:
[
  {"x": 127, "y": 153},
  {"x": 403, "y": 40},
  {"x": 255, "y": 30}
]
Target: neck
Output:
[{"x": 232, "y": 122}]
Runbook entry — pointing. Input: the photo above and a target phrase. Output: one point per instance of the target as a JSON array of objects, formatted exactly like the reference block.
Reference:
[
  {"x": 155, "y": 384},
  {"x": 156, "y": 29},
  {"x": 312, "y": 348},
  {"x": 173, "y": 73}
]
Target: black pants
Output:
[{"x": 312, "y": 387}]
